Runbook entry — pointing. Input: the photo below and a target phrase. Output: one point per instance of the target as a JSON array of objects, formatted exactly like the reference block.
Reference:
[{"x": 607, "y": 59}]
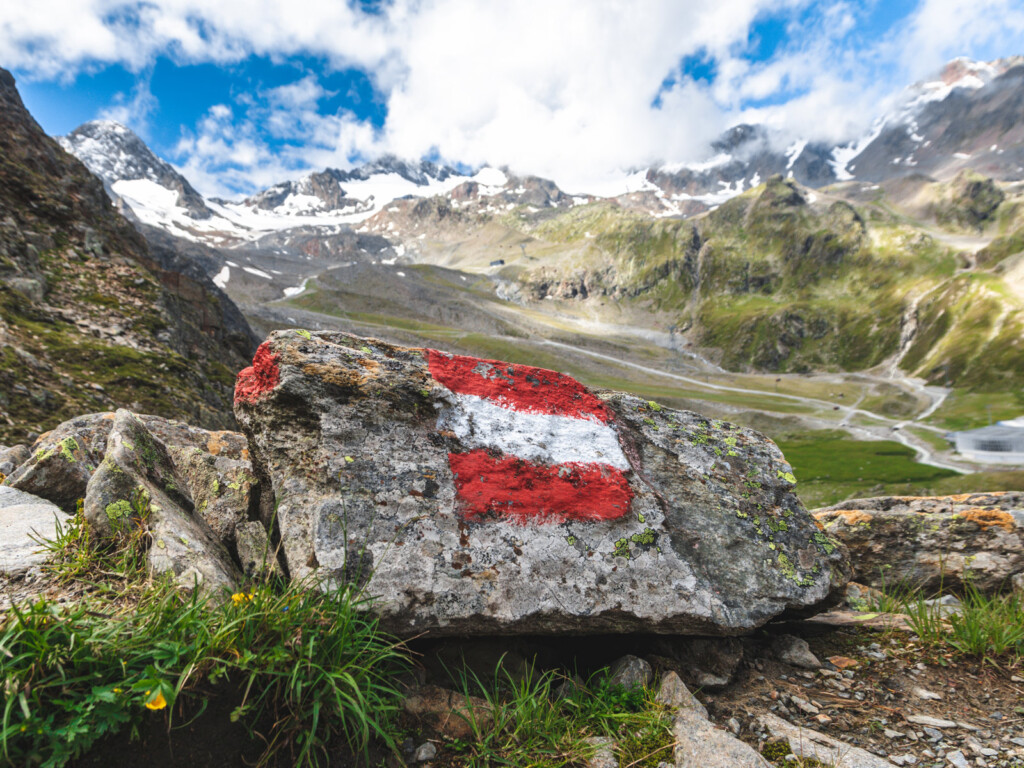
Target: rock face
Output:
[
  {"x": 932, "y": 541},
  {"x": 472, "y": 496},
  {"x": 91, "y": 318},
  {"x": 195, "y": 488},
  {"x": 137, "y": 483},
  {"x": 24, "y": 520}
]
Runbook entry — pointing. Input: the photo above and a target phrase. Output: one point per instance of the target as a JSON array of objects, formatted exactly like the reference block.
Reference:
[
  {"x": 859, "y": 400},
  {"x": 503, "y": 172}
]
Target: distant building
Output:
[{"x": 1002, "y": 443}]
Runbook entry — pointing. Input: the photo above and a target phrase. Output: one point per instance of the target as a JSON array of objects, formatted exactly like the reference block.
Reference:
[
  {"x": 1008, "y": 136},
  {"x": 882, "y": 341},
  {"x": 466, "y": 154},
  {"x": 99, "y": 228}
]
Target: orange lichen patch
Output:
[
  {"x": 843, "y": 662},
  {"x": 855, "y": 516},
  {"x": 344, "y": 376},
  {"x": 986, "y": 518},
  {"x": 216, "y": 444}
]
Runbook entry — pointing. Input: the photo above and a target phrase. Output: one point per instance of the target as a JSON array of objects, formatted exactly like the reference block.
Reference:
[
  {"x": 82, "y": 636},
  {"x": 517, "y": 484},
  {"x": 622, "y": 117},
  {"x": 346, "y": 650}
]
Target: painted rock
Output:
[
  {"x": 472, "y": 496},
  {"x": 932, "y": 541}
]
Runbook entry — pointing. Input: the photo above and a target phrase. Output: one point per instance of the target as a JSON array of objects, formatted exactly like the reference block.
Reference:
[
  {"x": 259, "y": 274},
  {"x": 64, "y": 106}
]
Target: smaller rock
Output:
[
  {"x": 927, "y": 695},
  {"x": 673, "y": 693},
  {"x": 24, "y": 521},
  {"x": 699, "y": 744},
  {"x": 795, "y": 651},
  {"x": 604, "y": 754},
  {"x": 810, "y": 744},
  {"x": 12, "y": 458},
  {"x": 631, "y": 672},
  {"x": 425, "y": 751},
  {"x": 136, "y": 481},
  {"x": 957, "y": 759},
  {"x": 905, "y": 759},
  {"x": 1017, "y": 582},
  {"x": 448, "y": 712},
  {"x": 255, "y": 552},
  {"x": 934, "y": 722},
  {"x": 843, "y": 662}
]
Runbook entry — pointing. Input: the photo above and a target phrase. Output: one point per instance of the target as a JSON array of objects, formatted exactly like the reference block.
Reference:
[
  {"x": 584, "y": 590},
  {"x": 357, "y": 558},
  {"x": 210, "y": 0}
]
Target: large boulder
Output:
[
  {"x": 138, "y": 484},
  {"x": 473, "y": 496},
  {"x": 932, "y": 541}
]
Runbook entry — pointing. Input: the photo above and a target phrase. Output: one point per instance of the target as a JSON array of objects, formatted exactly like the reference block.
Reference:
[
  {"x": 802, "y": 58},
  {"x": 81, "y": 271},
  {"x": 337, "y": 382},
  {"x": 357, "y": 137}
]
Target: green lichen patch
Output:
[
  {"x": 304, "y": 333},
  {"x": 118, "y": 510},
  {"x": 67, "y": 447}
]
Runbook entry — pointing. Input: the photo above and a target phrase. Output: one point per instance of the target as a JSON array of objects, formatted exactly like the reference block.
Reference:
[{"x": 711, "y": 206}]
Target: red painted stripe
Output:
[
  {"x": 533, "y": 493},
  {"x": 260, "y": 377},
  {"x": 517, "y": 387}
]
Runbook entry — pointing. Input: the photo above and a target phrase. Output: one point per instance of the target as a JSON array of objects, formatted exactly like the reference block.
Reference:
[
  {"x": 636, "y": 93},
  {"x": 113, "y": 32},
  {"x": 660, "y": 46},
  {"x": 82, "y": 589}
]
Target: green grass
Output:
[
  {"x": 830, "y": 466},
  {"x": 964, "y": 410},
  {"x": 75, "y": 673},
  {"x": 990, "y": 627},
  {"x": 525, "y": 724}
]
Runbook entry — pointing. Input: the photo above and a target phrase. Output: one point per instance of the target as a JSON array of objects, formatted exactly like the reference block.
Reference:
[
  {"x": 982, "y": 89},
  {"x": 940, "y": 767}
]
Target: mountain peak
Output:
[{"x": 117, "y": 155}]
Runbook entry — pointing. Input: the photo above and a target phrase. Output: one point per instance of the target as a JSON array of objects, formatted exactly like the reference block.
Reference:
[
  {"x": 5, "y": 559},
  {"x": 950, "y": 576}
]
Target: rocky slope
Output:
[{"x": 90, "y": 316}]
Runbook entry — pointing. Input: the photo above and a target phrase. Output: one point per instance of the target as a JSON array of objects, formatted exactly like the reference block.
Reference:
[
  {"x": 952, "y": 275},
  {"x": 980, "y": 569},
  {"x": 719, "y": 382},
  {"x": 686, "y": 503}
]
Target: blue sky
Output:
[{"x": 240, "y": 95}]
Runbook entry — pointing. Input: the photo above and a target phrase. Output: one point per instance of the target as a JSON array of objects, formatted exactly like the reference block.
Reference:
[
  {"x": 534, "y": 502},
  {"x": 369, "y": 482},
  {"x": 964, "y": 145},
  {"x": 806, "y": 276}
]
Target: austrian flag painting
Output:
[{"x": 537, "y": 446}]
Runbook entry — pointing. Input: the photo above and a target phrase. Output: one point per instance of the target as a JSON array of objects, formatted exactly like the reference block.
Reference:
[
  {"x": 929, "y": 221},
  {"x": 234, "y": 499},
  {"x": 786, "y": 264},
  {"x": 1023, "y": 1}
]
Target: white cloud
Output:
[{"x": 557, "y": 88}]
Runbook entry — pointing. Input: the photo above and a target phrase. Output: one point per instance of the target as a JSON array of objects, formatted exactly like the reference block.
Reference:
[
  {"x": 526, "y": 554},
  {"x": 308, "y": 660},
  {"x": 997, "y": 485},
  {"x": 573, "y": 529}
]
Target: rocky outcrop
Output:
[
  {"x": 932, "y": 542},
  {"x": 193, "y": 489},
  {"x": 90, "y": 317},
  {"x": 473, "y": 496},
  {"x": 137, "y": 484}
]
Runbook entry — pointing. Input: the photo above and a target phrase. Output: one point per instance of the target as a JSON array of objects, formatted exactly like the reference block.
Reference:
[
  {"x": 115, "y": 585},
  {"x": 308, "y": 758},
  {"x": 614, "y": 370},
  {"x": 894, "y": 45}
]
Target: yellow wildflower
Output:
[
  {"x": 157, "y": 702},
  {"x": 240, "y": 597}
]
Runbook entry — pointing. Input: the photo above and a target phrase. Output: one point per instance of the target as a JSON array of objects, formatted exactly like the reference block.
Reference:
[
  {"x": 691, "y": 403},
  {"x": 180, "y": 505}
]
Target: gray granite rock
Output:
[
  {"x": 807, "y": 743},
  {"x": 699, "y": 744},
  {"x": 631, "y": 672},
  {"x": 537, "y": 506},
  {"x": 932, "y": 541},
  {"x": 25, "y": 520},
  {"x": 136, "y": 484},
  {"x": 13, "y": 457},
  {"x": 673, "y": 693},
  {"x": 794, "y": 651}
]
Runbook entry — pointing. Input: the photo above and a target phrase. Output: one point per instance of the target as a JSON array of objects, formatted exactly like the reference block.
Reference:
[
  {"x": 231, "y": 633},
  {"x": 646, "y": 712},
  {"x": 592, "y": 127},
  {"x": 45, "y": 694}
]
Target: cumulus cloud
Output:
[{"x": 578, "y": 92}]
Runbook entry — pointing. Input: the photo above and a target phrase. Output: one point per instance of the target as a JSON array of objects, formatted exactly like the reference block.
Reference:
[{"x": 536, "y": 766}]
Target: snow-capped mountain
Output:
[
  {"x": 970, "y": 116},
  {"x": 128, "y": 168},
  {"x": 354, "y": 191}
]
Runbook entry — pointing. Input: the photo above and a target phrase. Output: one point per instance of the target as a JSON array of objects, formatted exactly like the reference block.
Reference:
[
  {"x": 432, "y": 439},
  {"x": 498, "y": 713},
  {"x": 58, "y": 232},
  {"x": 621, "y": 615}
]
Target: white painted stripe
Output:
[{"x": 537, "y": 437}]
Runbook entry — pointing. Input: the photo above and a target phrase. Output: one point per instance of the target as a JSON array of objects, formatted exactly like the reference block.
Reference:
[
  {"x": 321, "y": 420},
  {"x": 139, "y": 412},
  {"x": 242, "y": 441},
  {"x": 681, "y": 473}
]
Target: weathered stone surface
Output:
[
  {"x": 932, "y": 541},
  {"x": 631, "y": 672},
  {"x": 24, "y": 520},
  {"x": 673, "y": 693},
  {"x": 222, "y": 488},
  {"x": 699, "y": 744},
  {"x": 256, "y": 554},
  {"x": 136, "y": 483},
  {"x": 810, "y": 744},
  {"x": 795, "y": 651},
  {"x": 604, "y": 752},
  {"x": 12, "y": 458},
  {"x": 63, "y": 459},
  {"x": 572, "y": 512},
  {"x": 213, "y": 467}
]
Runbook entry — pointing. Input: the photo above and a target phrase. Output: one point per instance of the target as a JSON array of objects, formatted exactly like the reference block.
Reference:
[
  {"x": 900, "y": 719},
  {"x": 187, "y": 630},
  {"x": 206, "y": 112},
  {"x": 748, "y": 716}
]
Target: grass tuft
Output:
[{"x": 136, "y": 648}]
